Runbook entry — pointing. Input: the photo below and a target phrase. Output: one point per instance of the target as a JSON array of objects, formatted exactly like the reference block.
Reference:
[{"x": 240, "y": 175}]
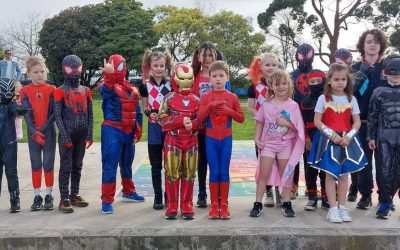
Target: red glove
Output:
[
  {"x": 223, "y": 110},
  {"x": 212, "y": 105},
  {"x": 39, "y": 138},
  {"x": 88, "y": 143},
  {"x": 68, "y": 145}
]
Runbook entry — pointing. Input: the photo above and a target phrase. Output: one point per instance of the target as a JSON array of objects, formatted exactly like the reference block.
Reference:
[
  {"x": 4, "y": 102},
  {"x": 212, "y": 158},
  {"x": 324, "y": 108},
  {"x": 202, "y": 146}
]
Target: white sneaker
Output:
[
  {"x": 269, "y": 199},
  {"x": 344, "y": 213},
  {"x": 334, "y": 215}
]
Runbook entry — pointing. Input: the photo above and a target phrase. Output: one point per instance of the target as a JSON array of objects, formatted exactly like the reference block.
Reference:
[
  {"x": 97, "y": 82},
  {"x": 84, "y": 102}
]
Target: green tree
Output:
[
  {"x": 180, "y": 30},
  {"x": 344, "y": 12},
  {"x": 126, "y": 29},
  {"x": 1, "y": 52},
  {"x": 234, "y": 36},
  {"x": 388, "y": 19},
  {"x": 72, "y": 31}
]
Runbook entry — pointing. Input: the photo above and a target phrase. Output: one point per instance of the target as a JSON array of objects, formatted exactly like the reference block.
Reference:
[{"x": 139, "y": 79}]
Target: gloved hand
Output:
[
  {"x": 39, "y": 138},
  {"x": 67, "y": 145},
  {"x": 367, "y": 69},
  {"x": 223, "y": 110},
  {"x": 212, "y": 105}
]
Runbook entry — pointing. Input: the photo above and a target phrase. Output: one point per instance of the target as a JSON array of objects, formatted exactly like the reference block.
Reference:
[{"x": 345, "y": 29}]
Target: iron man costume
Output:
[{"x": 180, "y": 145}]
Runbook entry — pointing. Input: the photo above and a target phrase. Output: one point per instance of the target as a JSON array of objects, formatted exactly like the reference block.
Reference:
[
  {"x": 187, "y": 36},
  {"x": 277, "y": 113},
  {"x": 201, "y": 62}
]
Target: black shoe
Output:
[
  {"x": 365, "y": 202},
  {"x": 325, "y": 203},
  {"x": 287, "y": 209},
  {"x": 37, "y": 203},
  {"x": 201, "y": 200},
  {"x": 352, "y": 196},
  {"x": 65, "y": 206},
  {"x": 158, "y": 205},
  {"x": 256, "y": 211},
  {"x": 15, "y": 207},
  {"x": 311, "y": 204},
  {"x": 48, "y": 202}
]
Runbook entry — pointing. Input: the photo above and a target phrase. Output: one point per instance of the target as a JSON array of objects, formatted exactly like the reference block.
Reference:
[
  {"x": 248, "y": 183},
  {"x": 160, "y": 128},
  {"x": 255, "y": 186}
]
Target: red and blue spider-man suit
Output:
[
  {"x": 180, "y": 144},
  {"x": 121, "y": 128}
]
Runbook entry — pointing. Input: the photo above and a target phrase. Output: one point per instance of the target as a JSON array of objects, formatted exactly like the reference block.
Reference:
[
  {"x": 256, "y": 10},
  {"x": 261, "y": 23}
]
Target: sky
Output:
[{"x": 248, "y": 8}]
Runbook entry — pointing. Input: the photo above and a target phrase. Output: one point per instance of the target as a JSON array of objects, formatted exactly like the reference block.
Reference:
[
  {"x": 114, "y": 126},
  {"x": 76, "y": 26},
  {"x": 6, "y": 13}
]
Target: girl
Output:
[
  {"x": 279, "y": 135},
  {"x": 38, "y": 96},
  {"x": 336, "y": 149},
  {"x": 203, "y": 57},
  {"x": 260, "y": 71},
  {"x": 153, "y": 91}
]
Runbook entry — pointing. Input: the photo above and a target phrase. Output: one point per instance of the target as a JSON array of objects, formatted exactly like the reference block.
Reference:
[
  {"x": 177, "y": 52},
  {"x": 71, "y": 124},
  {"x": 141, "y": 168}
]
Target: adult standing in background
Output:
[
  {"x": 8, "y": 68},
  {"x": 371, "y": 44}
]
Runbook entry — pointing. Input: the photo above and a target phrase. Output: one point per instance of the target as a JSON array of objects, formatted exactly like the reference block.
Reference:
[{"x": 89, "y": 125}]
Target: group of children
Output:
[{"x": 308, "y": 114}]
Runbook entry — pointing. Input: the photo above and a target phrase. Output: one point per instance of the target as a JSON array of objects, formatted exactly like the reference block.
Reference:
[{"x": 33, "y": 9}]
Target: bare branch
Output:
[{"x": 320, "y": 12}]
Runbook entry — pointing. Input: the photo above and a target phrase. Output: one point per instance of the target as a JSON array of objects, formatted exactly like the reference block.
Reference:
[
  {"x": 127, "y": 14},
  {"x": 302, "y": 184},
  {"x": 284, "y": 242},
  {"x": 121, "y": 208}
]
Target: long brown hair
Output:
[
  {"x": 335, "y": 67},
  {"x": 153, "y": 55},
  {"x": 196, "y": 65},
  {"x": 379, "y": 35}
]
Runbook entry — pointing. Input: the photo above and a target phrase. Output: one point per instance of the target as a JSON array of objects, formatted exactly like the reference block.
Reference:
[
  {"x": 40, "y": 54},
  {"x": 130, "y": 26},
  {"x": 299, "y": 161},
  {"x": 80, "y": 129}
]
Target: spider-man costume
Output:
[
  {"x": 122, "y": 126},
  {"x": 180, "y": 145},
  {"x": 219, "y": 144},
  {"x": 74, "y": 118},
  {"x": 304, "y": 58},
  {"x": 41, "y": 131},
  {"x": 8, "y": 141}
]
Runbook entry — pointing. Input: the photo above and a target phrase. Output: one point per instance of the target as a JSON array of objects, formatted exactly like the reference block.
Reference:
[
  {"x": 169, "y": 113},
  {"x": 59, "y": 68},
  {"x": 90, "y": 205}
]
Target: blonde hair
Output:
[
  {"x": 254, "y": 70},
  {"x": 33, "y": 61},
  {"x": 280, "y": 76},
  {"x": 219, "y": 65}
]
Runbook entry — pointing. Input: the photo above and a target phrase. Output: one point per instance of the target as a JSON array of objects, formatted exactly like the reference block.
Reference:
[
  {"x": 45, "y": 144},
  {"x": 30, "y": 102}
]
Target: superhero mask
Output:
[
  {"x": 72, "y": 69},
  {"x": 392, "y": 67},
  {"x": 343, "y": 55},
  {"x": 304, "y": 57},
  {"x": 182, "y": 77},
  {"x": 7, "y": 89},
  {"x": 120, "y": 68},
  {"x": 317, "y": 89}
]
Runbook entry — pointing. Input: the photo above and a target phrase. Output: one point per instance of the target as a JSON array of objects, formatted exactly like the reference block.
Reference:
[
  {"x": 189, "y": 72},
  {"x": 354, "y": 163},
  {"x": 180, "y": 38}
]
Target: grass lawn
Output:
[{"x": 244, "y": 131}]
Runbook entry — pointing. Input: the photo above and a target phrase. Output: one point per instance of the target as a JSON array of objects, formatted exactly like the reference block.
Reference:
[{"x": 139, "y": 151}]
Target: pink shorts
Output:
[{"x": 273, "y": 153}]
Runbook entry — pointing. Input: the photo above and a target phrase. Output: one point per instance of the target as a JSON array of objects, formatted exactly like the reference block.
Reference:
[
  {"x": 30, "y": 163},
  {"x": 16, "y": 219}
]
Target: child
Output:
[
  {"x": 383, "y": 133},
  {"x": 74, "y": 118},
  {"x": 153, "y": 92},
  {"x": 120, "y": 131},
  {"x": 260, "y": 71},
  {"x": 178, "y": 118},
  {"x": 280, "y": 137},
  {"x": 203, "y": 57},
  {"x": 336, "y": 148},
  {"x": 38, "y": 96},
  {"x": 316, "y": 83},
  {"x": 8, "y": 142},
  {"x": 218, "y": 107},
  {"x": 343, "y": 56}
]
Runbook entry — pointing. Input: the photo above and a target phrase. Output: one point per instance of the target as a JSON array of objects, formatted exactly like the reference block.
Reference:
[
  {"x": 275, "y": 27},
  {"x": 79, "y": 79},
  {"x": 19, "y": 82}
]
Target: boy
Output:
[
  {"x": 217, "y": 108},
  {"x": 383, "y": 133},
  {"x": 316, "y": 81}
]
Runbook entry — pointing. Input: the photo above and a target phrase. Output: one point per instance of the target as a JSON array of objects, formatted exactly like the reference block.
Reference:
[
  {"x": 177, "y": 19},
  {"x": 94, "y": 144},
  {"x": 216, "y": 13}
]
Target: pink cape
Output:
[{"x": 298, "y": 142}]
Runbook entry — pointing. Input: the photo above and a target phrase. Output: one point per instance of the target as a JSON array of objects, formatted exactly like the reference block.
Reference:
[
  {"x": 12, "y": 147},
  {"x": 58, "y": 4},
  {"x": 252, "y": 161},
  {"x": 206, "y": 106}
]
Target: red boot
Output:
[
  {"x": 213, "y": 213},
  {"x": 187, "y": 199},
  {"x": 172, "y": 189},
  {"x": 224, "y": 193}
]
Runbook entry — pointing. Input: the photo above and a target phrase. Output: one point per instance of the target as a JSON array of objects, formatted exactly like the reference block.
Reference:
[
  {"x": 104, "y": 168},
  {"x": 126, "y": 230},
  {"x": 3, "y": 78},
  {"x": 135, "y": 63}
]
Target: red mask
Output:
[{"x": 119, "y": 67}]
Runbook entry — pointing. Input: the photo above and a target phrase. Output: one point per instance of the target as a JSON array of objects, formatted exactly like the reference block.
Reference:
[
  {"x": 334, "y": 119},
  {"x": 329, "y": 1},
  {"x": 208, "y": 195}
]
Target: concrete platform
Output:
[{"x": 138, "y": 226}]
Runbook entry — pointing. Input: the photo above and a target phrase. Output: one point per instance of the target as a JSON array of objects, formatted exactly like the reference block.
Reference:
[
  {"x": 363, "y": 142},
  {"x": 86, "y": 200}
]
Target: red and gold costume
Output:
[{"x": 180, "y": 145}]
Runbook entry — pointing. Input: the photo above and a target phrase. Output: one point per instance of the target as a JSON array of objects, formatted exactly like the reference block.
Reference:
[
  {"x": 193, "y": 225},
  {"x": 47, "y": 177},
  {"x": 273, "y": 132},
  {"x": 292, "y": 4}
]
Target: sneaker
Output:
[
  {"x": 278, "y": 197},
  {"x": 107, "y": 208},
  {"x": 311, "y": 204},
  {"x": 78, "y": 201},
  {"x": 287, "y": 209},
  {"x": 344, "y": 213},
  {"x": 158, "y": 205},
  {"x": 37, "y": 203},
  {"x": 269, "y": 198},
  {"x": 133, "y": 197},
  {"x": 15, "y": 207},
  {"x": 48, "y": 202},
  {"x": 334, "y": 215},
  {"x": 65, "y": 206},
  {"x": 201, "y": 200},
  {"x": 325, "y": 203},
  {"x": 384, "y": 211},
  {"x": 256, "y": 211},
  {"x": 294, "y": 192},
  {"x": 365, "y": 202}
]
